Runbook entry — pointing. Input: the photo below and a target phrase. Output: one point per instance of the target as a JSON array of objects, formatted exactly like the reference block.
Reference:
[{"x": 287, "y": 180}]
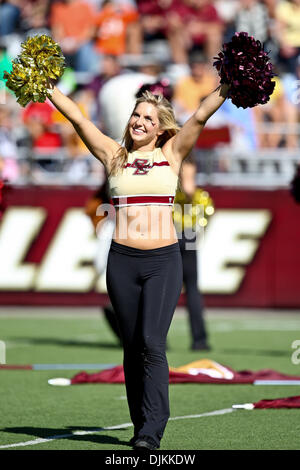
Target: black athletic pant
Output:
[
  {"x": 144, "y": 288},
  {"x": 193, "y": 295}
]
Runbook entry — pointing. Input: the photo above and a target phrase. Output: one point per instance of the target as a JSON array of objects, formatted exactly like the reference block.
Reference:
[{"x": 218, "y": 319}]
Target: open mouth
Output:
[{"x": 138, "y": 131}]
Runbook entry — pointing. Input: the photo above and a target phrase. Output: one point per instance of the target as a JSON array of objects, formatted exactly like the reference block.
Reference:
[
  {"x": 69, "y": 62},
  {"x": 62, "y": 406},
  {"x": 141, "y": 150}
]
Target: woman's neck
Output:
[{"x": 149, "y": 147}]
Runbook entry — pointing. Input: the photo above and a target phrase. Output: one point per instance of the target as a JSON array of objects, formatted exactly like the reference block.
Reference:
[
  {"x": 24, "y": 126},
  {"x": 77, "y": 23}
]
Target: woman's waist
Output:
[
  {"x": 144, "y": 211},
  {"x": 147, "y": 225}
]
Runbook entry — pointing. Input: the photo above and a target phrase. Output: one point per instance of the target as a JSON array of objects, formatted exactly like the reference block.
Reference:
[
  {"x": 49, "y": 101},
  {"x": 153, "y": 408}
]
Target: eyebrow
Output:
[{"x": 150, "y": 117}]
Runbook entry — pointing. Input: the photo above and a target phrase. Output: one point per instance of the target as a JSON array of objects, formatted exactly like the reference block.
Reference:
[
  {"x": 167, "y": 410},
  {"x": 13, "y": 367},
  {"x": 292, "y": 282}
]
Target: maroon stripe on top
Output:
[
  {"x": 131, "y": 200},
  {"x": 133, "y": 165}
]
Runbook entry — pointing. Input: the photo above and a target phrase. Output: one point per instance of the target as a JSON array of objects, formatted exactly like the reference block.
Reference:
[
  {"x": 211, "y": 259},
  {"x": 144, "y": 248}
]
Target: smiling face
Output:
[{"x": 144, "y": 125}]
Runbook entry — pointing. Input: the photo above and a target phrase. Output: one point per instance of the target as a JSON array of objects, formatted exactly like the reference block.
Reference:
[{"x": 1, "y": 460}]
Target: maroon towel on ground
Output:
[
  {"x": 289, "y": 402},
  {"x": 116, "y": 375}
]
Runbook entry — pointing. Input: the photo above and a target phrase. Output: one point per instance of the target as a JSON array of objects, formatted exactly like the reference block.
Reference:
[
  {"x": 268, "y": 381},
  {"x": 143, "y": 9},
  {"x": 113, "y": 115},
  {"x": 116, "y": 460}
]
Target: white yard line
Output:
[{"x": 108, "y": 428}]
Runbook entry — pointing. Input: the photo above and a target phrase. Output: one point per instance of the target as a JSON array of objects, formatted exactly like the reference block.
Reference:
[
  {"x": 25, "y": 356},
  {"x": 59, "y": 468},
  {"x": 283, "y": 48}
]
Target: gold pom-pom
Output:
[
  {"x": 45, "y": 54},
  {"x": 40, "y": 61},
  {"x": 192, "y": 213}
]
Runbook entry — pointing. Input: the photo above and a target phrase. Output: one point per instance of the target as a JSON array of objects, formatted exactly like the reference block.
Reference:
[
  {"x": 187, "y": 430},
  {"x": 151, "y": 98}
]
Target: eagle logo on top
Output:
[{"x": 142, "y": 166}]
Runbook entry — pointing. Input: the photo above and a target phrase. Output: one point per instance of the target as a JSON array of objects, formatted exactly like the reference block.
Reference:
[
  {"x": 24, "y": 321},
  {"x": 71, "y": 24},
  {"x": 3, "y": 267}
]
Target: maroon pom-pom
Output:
[{"x": 247, "y": 68}]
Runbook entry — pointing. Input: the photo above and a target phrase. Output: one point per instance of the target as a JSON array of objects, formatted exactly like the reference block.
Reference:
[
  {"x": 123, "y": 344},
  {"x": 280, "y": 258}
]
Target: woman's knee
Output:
[{"x": 154, "y": 350}]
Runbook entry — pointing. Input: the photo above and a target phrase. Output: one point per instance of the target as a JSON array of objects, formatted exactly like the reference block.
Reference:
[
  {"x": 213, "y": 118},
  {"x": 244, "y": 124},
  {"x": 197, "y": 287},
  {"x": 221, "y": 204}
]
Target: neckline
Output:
[{"x": 145, "y": 151}]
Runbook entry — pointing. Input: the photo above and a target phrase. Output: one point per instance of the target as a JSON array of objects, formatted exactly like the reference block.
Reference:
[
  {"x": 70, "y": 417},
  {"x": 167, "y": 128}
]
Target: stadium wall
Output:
[{"x": 249, "y": 255}]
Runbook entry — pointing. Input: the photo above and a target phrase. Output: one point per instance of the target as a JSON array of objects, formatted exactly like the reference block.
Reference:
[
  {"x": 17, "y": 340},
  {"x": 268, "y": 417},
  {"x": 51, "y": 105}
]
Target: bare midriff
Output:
[{"x": 145, "y": 227}]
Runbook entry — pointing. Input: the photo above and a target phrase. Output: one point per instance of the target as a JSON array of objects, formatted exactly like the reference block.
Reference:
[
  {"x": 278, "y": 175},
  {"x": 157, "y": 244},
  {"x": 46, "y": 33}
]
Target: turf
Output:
[{"x": 32, "y": 409}]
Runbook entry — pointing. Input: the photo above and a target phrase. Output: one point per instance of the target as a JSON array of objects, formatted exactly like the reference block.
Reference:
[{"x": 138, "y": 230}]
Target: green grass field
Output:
[{"x": 31, "y": 409}]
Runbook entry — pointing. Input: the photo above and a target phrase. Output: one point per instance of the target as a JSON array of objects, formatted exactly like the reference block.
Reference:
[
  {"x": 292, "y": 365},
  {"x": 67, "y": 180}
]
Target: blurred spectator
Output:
[
  {"x": 194, "y": 24},
  {"x": 272, "y": 43},
  {"x": 110, "y": 67},
  {"x": 118, "y": 29},
  {"x": 291, "y": 86},
  {"x": 10, "y": 13},
  {"x": 78, "y": 165},
  {"x": 79, "y": 162},
  {"x": 253, "y": 18},
  {"x": 34, "y": 17},
  {"x": 241, "y": 125},
  {"x": 288, "y": 17},
  {"x": 97, "y": 4},
  {"x": 277, "y": 111},
  {"x": 56, "y": 145},
  {"x": 73, "y": 25},
  {"x": 44, "y": 140},
  {"x": 9, "y": 168},
  {"x": 190, "y": 90},
  {"x": 291, "y": 83},
  {"x": 117, "y": 97},
  {"x": 227, "y": 11},
  {"x": 71, "y": 141},
  {"x": 186, "y": 24},
  {"x": 187, "y": 238},
  {"x": 257, "y": 18},
  {"x": 153, "y": 18},
  {"x": 38, "y": 112}
]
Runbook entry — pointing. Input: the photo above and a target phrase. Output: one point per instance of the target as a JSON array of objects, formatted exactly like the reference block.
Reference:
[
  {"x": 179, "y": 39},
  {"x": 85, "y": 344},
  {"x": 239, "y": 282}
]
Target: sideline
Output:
[{"x": 108, "y": 428}]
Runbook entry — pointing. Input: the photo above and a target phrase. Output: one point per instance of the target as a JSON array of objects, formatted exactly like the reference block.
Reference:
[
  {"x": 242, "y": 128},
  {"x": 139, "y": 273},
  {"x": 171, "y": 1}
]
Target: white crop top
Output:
[{"x": 146, "y": 179}]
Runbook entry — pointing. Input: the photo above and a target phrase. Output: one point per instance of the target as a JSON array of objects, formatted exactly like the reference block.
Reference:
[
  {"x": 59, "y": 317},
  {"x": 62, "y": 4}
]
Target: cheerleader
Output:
[{"x": 144, "y": 268}]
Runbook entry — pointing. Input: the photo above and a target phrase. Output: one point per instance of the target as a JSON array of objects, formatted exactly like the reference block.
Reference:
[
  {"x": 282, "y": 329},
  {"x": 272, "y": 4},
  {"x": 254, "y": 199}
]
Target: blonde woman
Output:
[{"x": 144, "y": 270}]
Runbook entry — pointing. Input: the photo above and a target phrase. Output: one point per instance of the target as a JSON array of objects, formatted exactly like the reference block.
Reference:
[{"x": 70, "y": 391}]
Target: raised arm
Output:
[
  {"x": 179, "y": 146},
  {"x": 101, "y": 146}
]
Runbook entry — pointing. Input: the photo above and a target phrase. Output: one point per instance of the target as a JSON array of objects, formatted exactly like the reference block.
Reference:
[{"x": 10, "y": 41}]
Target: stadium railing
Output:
[{"x": 219, "y": 165}]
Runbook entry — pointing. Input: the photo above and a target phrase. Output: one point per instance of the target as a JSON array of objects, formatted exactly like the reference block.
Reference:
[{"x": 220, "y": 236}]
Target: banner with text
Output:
[{"x": 249, "y": 255}]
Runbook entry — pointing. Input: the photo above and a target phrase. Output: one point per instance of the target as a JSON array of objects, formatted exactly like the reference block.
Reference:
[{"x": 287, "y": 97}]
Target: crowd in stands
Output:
[{"x": 112, "y": 47}]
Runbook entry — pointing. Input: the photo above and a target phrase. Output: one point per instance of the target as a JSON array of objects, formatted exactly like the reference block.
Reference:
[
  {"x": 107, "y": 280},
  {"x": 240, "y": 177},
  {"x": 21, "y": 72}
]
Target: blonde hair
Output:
[{"x": 167, "y": 123}]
